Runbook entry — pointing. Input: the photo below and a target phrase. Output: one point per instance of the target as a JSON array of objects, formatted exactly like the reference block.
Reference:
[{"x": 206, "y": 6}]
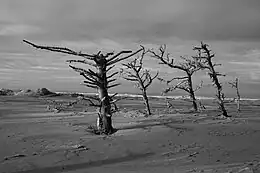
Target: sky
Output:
[{"x": 230, "y": 27}]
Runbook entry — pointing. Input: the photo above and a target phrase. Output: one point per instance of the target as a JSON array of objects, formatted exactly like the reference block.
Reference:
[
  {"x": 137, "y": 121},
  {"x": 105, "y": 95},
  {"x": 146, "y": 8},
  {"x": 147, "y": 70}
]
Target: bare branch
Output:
[
  {"x": 165, "y": 60},
  {"x": 90, "y": 86},
  {"x": 91, "y": 72},
  {"x": 112, "y": 75},
  {"x": 111, "y": 62},
  {"x": 118, "y": 54},
  {"x": 114, "y": 85},
  {"x": 111, "y": 97},
  {"x": 82, "y": 61},
  {"x": 176, "y": 78},
  {"x": 150, "y": 79},
  {"x": 61, "y": 50},
  {"x": 131, "y": 79},
  {"x": 90, "y": 78},
  {"x": 110, "y": 54},
  {"x": 91, "y": 102},
  {"x": 91, "y": 83},
  {"x": 110, "y": 68},
  {"x": 217, "y": 64},
  {"x": 199, "y": 86},
  {"x": 112, "y": 80}
]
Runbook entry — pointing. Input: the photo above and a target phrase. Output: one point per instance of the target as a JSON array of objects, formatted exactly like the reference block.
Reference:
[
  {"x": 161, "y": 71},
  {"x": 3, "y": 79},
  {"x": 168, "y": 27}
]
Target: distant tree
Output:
[
  {"x": 167, "y": 102},
  {"x": 188, "y": 65},
  {"x": 97, "y": 79},
  {"x": 135, "y": 72},
  {"x": 204, "y": 61},
  {"x": 234, "y": 84}
]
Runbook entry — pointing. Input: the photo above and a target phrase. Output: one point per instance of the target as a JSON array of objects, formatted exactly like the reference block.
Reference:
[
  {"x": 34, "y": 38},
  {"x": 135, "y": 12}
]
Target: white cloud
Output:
[
  {"x": 243, "y": 63},
  {"x": 5, "y": 70},
  {"x": 18, "y": 29},
  {"x": 46, "y": 68},
  {"x": 6, "y": 78},
  {"x": 253, "y": 54},
  {"x": 254, "y": 75},
  {"x": 67, "y": 78}
]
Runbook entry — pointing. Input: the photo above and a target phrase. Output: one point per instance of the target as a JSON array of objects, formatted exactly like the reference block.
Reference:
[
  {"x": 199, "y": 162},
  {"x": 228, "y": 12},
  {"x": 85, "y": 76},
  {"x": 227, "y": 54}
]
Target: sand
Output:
[{"x": 33, "y": 139}]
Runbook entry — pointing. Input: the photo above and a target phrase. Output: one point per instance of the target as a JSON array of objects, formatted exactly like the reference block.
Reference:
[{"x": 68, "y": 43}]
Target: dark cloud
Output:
[
  {"x": 230, "y": 26},
  {"x": 135, "y": 19}
]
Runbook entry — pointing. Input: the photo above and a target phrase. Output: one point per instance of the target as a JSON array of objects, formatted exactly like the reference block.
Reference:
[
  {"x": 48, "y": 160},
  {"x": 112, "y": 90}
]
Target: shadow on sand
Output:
[
  {"x": 145, "y": 124},
  {"x": 169, "y": 123},
  {"x": 90, "y": 164}
]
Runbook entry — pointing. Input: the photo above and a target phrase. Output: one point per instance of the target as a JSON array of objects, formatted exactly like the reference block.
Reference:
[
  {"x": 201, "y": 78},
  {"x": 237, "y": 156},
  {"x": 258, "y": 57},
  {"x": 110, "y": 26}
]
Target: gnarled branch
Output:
[{"x": 61, "y": 50}]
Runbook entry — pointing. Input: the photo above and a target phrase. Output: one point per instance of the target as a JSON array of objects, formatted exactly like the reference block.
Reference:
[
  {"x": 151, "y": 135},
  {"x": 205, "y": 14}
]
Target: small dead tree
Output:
[
  {"x": 168, "y": 103},
  {"x": 98, "y": 79},
  {"x": 234, "y": 84},
  {"x": 188, "y": 65},
  {"x": 204, "y": 61},
  {"x": 135, "y": 72}
]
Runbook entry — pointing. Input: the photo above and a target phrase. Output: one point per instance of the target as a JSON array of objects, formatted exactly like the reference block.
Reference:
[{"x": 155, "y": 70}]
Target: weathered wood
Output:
[
  {"x": 205, "y": 62},
  {"x": 135, "y": 72},
  {"x": 234, "y": 84},
  {"x": 188, "y": 66},
  {"x": 98, "y": 79}
]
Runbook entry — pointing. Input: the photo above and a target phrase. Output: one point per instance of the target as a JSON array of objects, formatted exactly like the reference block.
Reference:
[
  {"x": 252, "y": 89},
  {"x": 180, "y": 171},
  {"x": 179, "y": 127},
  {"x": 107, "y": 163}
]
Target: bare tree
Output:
[
  {"x": 188, "y": 65},
  {"x": 204, "y": 61},
  {"x": 234, "y": 84},
  {"x": 135, "y": 72},
  {"x": 97, "y": 79}
]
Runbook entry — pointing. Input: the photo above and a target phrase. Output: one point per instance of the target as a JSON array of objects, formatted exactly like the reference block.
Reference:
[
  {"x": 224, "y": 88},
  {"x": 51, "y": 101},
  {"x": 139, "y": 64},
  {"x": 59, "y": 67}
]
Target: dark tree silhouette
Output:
[
  {"x": 188, "y": 65},
  {"x": 204, "y": 61},
  {"x": 135, "y": 72},
  {"x": 234, "y": 84},
  {"x": 97, "y": 79}
]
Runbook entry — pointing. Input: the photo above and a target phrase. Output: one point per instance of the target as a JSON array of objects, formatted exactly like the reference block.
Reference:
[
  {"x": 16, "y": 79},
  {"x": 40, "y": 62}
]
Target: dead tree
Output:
[
  {"x": 188, "y": 65},
  {"x": 234, "y": 84},
  {"x": 135, "y": 72},
  {"x": 168, "y": 103},
  {"x": 98, "y": 79},
  {"x": 204, "y": 61}
]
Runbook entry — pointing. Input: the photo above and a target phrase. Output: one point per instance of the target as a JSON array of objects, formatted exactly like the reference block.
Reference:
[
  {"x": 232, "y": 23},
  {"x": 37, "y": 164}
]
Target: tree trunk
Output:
[
  {"x": 99, "y": 122},
  {"x": 220, "y": 95},
  {"x": 238, "y": 96},
  {"x": 146, "y": 102},
  {"x": 194, "y": 103},
  {"x": 192, "y": 94},
  {"x": 238, "y": 105},
  {"x": 221, "y": 101},
  {"x": 223, "y": 109},
  {"x": 105, "y": 112},
  {"x": 105, "y": 109}
]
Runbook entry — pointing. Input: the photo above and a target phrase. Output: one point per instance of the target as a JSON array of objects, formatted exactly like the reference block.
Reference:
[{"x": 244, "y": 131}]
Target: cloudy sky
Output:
[{"x": 231, "y": 27}]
